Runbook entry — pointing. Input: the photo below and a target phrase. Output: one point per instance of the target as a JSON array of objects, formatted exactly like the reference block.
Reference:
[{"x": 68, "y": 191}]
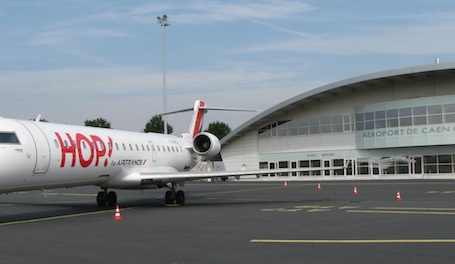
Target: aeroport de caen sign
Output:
[
  {"x": 408, "y": 131},
  {"x": 406, "y": 136}
]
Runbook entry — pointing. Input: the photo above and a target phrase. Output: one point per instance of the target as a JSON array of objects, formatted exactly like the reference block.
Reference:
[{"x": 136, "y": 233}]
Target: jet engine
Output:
[{"x": 206, "y": 144}]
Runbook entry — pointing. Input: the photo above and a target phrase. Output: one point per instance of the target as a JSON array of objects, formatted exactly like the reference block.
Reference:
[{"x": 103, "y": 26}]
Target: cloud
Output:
[
  {"x": 121, "y": 81},
  {"x": 207, "y": 12},
  {"x": 199, "y": 12},
  {"x": 65, "y": 35},
  {"x": 50, "y": 37},
  {"x": 412, "y": 38},
  {"x": 79, "y": 81},
  {"x": 129, "y": 96}
]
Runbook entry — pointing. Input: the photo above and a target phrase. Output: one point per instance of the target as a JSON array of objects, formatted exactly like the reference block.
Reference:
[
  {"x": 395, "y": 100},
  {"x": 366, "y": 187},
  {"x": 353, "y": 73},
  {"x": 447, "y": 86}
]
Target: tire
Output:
[
  {"x": 101, "y": 199},
  {"x": 111, "y": 199},
  {"x": 168, "y": 198},
  {"x": 180, "y": 197}
]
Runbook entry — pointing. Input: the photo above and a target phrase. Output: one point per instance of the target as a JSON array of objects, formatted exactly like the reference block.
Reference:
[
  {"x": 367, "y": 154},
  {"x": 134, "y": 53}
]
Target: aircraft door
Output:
[{"x": 41, "y": 147}]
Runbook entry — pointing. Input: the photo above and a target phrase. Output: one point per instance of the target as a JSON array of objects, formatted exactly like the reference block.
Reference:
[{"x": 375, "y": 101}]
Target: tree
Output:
[
  {"x": 156, "y": 125},
  {"x": 219, "y": 129},
  {"x": 99, "y": 122}
]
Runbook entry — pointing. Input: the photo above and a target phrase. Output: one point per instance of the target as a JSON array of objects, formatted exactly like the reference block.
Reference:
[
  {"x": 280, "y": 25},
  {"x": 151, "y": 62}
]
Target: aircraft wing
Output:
[{"x": 154, "y": 178}]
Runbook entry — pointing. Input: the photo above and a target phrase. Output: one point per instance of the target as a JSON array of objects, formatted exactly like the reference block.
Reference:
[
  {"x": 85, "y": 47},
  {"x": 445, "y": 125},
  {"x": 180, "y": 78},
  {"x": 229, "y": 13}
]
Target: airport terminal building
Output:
[{"x": 397, "y": 124}]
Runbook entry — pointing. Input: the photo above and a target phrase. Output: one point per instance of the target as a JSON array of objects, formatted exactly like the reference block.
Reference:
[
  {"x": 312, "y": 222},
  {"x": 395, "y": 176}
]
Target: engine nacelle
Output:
[{"x": 206, "y": 144}]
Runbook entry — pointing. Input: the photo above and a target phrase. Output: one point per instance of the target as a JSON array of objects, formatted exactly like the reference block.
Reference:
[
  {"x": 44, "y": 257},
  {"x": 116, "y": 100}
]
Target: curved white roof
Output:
[{"x": 336, "y": 89}]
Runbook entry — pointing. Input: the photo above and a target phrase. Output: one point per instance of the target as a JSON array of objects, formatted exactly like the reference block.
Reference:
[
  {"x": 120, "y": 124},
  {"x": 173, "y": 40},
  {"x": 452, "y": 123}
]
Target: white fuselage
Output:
[{"x": 39, "y": 155}]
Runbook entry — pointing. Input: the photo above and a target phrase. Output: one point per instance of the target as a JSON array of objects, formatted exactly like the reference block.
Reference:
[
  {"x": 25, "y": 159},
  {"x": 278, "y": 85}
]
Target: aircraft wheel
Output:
[
  {"x": 111, "y": 199},
  {"x": 168, "y": 199},
  {"x": 101, "y": 199},
  {"x": 180, "y": 198}
]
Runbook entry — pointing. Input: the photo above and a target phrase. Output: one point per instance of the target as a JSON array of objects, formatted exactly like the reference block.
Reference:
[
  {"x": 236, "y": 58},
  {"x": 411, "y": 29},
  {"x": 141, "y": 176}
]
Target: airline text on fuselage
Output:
[{"x": 73, "y": 146}]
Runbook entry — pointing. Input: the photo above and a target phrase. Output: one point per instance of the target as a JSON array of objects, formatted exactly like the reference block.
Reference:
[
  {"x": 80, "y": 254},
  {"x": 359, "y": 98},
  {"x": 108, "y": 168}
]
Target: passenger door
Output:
[{"x": 42, "y": 151}]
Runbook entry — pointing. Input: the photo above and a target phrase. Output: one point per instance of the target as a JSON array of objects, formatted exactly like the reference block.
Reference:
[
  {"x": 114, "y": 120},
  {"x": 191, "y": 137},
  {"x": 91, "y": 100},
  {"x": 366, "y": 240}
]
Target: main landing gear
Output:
[
  {"x": 104, "y": 197},
  {"x": 173, "y": 197},
  {"x": 110, "y": 198}
]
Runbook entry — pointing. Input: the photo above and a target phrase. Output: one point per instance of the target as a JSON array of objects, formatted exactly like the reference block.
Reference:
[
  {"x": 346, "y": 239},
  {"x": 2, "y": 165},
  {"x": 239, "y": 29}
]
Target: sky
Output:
[{"x": 73, "y": 60}]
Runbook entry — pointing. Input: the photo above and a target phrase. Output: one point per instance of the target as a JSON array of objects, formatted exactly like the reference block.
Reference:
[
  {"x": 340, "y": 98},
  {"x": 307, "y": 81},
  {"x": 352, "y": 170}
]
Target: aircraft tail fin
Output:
[
  {"x": 199, "y": 110},
  {"x": 197, "y": 120}
]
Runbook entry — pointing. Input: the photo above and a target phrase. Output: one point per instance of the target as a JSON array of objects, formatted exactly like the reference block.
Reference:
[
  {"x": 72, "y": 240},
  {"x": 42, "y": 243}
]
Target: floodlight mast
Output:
[{"x": 163, "y": 23}]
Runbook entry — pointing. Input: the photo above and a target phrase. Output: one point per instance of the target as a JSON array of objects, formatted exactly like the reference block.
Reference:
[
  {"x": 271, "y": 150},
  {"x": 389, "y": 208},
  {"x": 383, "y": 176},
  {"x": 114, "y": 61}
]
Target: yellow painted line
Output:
[
  {"x": 313, "y": 207},
  {"x": 172, "y": 205},
  {"x": 351, "y": 241},
  {"x": 399, "y": 212},
  {"x": 318, "y": 210},
  {"x": 59, "y": 217},
  {"x": 79, "y": 194},
  {"x": 251, "y": 189},
  {"x": 413, "y": 208},
  {"x": 68, "y": 194},
  {"x": 71, "y": 202},
  {"x": 281, "y": 210},
  {"x": 348, "y": 207}
]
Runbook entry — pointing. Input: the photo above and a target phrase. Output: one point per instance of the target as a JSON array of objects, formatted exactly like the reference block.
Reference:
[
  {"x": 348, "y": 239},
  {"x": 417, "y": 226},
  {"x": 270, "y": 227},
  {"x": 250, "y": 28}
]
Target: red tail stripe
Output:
[{"x": 198, "y": 124}]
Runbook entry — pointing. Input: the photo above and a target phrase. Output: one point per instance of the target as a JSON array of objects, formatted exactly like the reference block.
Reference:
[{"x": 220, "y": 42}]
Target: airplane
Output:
[{"x": 38, "y": 155}]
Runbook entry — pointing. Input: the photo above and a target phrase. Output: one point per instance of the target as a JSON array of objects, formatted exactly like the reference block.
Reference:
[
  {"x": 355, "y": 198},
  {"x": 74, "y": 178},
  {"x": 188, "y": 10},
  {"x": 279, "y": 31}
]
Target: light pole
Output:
[{"x": 163, "y": 23}]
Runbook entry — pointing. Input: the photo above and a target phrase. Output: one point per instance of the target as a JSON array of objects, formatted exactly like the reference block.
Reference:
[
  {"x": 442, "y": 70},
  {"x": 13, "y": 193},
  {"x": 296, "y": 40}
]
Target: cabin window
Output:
[
  {"x": 148, "y": 149},
  {"x": 137, "y": 148},
  {"x": 56, "y": 143},
  {"x": 124, "y": 147},
  {"x": 131, "y": 147},
  {"x": 116, "y": 146},
  {"x": 9, "y": 138}
]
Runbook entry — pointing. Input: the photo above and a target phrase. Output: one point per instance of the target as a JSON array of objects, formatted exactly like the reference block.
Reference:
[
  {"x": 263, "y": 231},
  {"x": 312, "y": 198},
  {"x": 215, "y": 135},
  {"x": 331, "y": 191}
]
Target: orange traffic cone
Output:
[
  {"x": 319, "y": 187},
  {"x": 117, "y": 213},
  {"x": 355, "y": 190},
  {"x": 398, "y": 196},
  {"x": 285, "y": 183}
]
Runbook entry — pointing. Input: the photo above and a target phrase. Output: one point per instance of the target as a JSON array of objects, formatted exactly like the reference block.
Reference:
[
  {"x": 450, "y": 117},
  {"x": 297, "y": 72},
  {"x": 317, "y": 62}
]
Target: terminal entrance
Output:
[{"x": 412, "y": 166}]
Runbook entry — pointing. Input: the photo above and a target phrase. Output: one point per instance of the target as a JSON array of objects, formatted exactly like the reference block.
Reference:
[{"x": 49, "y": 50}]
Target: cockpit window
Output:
[{"x": 9, "y": 138}]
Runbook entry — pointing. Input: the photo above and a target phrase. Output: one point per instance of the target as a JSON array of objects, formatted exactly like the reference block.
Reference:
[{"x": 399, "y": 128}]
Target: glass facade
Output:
[
  {"x": 406, "y": 117},
  {"x": 307, "y": 126},
  {"x": 428, "y": 123},
  {"x": 375, "y": 120},
  {"x": 403, "y": 165}
]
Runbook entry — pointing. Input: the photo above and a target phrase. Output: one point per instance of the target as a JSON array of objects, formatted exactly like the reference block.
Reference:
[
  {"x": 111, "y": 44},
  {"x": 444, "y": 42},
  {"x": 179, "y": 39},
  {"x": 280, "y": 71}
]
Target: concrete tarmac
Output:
[{"x": 236, "y": 223}]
